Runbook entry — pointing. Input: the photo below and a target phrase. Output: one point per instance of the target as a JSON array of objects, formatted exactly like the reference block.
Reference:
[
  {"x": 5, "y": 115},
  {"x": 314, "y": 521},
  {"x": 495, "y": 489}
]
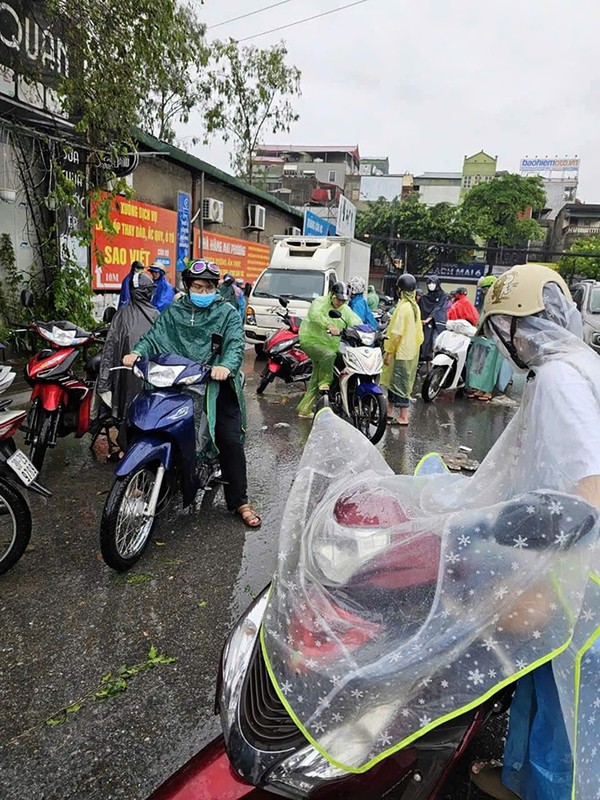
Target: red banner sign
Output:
[
  {"x": 145, "y": 233},
  {"x": 241, "y": 258}
]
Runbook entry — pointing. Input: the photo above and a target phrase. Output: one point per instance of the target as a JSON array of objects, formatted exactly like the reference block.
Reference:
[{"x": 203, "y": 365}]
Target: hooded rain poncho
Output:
[{"x": 164, "y": 294}]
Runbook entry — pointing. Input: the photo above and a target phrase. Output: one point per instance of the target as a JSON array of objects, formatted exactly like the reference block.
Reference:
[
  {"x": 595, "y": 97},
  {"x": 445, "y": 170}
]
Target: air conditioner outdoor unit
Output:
[
  {"x": 256, "y": 217},
  {"x": 293, "y": 231},
  {"x": 212, "y": 210}
]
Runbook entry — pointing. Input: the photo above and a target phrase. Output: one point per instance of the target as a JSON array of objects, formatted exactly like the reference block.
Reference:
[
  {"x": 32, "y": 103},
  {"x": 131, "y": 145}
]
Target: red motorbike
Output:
[
  {"x": 285, "y": 358},
  {"x": 60, "y": 400}
]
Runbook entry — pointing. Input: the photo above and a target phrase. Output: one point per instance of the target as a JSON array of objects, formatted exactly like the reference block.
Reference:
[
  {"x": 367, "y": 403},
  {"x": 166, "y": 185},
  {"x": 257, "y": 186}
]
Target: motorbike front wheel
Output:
[
  {"x": 433, "y": 384},
  {"x": 41, "y": 432},
  {"x": 266, "y": 378},
  {"x": 125, "y": 529},
  {"x": 369, "y": 415},
  {"x": 15, "y": 526}
]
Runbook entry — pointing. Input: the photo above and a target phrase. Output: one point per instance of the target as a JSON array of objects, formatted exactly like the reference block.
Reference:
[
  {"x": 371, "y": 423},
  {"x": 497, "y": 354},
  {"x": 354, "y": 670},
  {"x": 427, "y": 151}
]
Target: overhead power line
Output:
[
  {"x": 249, "y": 14},
  {"x": 301, "y": 21}
]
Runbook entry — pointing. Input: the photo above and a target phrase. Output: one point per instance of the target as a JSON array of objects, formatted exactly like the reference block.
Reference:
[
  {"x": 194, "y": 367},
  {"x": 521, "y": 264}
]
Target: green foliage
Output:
[
  {"x": 111, "y": 685},
  {"x": 410, "y": 219},
  {"x": 492, "y": 209},
  {"x": 586, "y": 267},
  {"x": 10, "y": 287},
  {"x": 248, "y": 92}
]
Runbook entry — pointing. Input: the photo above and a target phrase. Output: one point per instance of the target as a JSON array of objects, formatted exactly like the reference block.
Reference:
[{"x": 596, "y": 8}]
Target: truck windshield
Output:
[{"x": 301, "y": 284}]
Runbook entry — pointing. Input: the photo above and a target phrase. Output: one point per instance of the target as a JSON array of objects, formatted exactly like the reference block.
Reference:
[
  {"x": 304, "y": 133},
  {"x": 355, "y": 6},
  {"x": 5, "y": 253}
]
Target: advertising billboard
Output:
[
  {"x": 536, "y": 165},
  {"x": 346, "y": 219},
  {"x": 144, "y": 233},
  {"x": 314, "y": 225},
  {"x": 242, "y": 258}
]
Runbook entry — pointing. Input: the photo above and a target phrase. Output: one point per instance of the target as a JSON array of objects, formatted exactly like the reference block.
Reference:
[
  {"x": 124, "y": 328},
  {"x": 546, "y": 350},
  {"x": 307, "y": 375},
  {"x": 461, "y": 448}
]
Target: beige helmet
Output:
[{"x": 520, "y": 291}]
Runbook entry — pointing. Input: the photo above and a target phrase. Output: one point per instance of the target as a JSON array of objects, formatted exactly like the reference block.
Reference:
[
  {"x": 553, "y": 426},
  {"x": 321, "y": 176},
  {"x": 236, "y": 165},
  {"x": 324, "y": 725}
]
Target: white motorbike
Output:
[
  {"x": 355, "y": 394},
  {"x": 449, "y": 364}
]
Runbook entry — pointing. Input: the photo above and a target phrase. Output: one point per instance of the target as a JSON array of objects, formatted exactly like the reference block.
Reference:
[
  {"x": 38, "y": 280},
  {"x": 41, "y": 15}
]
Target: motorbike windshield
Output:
[
  {"x": 400, "y": 602},
  {"x": 168, "y": 370}
]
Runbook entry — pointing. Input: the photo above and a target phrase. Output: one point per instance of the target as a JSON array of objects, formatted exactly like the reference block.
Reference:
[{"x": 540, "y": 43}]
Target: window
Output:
[
  {"x": 594, "y": 304},
  {"x": 355, "y": 194},
  {"x": 332, "y": 280},
  {"x": 578, "y": 296},
  {"x": 332, "y": 176},
  {"x": 297, "y": 283}
]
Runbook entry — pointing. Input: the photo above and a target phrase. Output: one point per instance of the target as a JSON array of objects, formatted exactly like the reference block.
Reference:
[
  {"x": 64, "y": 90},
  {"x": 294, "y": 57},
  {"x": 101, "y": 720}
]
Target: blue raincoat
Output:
[
  {"x": 359, "y": 305},
  {"x": 163, "y": 292}
]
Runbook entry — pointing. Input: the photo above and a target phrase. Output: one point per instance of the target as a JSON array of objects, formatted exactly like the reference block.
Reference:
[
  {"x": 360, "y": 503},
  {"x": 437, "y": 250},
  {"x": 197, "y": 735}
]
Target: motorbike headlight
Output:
[
  {"x": 301, "y": 773},
  {"x": 236, "y": 657},
  {"x": 250, "y": 316},
  {"x": 368, "y": 339}
]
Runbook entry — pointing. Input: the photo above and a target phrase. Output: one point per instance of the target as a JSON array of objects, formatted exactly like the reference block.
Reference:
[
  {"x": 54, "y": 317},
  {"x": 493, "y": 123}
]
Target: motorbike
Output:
[
  {"x": 60, "y": 399},
  {"x": 285, "y": 358},
  {"x": 161, "y": 458},
  {"x": 16, "y": 472},
  {"x": 262, "y": 753},
  {"x": 449, "y": 364},
  {"x": 355, "y": 394}
]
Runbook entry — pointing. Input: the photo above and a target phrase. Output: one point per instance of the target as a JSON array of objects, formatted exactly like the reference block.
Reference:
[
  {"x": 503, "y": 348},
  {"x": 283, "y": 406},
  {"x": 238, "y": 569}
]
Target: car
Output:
[{"x": 586, "y": 296}]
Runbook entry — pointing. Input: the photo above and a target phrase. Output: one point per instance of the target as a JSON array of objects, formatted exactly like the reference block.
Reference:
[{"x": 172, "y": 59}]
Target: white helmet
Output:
[{"x": 357, "y": 285}]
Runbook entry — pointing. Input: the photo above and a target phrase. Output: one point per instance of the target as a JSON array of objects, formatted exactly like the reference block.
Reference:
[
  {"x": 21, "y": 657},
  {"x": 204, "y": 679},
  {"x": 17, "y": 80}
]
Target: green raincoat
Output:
[
  {"x": 372, "y": 299},
  {"x": 186, "y": 330},
  {"x": 321, "y": 346}
]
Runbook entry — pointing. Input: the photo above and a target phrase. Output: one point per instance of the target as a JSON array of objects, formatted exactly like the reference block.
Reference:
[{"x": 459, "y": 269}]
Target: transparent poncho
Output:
[{"x": 401, "y": 602}]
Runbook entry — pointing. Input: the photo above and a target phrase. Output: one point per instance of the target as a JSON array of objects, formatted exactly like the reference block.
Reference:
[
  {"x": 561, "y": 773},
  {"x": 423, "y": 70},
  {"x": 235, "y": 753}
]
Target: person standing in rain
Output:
[
  {"x": 136, "y": 268},
  {"x": 320, "y": 339},
  {"x": 372, "y": 298},
  {"x": 241, "y": 297},
  {"x": 164, "y": 293},
  {"x": 433, "y": 313},
  {"x": 117, "y": 388},
  {"x": 402, "y": 345}
]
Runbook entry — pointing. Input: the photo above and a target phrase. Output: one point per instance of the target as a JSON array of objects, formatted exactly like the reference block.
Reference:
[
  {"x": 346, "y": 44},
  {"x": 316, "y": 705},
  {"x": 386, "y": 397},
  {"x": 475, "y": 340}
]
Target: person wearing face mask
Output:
[
  {"x": 136, "y": 268},
  {"x": 552, "y": 443},
  {"x": 320, "y": 339},
  {"x": 433, "y": 306},
  {"x": 117, "y": 388},
  {"x": 186, "y": 329}
]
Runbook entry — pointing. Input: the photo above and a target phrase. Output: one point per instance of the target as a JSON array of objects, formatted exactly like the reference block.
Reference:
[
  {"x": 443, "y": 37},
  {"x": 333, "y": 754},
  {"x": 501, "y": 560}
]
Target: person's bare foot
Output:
[{"x": 487, "y": 776}]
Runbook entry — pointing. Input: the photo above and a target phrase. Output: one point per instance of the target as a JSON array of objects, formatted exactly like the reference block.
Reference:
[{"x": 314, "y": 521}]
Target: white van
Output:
[{"x": 301, "y": 269}]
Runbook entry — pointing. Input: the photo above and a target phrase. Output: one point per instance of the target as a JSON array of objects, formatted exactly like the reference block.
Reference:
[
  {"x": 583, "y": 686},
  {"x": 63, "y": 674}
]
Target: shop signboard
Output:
[{"x": 241, "y": 258}]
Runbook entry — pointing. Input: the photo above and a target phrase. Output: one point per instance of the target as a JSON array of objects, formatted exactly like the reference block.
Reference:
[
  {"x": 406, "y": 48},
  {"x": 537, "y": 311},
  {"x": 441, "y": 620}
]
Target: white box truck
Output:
[{"x": 301, "y": 268}]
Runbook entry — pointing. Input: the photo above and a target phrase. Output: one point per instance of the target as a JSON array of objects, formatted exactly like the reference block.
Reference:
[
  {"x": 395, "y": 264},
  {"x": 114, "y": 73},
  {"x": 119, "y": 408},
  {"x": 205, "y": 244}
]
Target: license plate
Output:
[{"x": 22, "y": 467}]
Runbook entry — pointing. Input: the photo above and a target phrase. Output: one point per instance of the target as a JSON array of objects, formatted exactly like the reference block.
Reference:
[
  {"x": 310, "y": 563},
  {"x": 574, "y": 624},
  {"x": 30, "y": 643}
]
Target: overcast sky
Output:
[{"x": 428, "y": 82}]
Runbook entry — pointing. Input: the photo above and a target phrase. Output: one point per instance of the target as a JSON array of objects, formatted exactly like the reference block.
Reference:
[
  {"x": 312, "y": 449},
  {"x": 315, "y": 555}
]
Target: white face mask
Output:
[{"x": 432, "y": 287}]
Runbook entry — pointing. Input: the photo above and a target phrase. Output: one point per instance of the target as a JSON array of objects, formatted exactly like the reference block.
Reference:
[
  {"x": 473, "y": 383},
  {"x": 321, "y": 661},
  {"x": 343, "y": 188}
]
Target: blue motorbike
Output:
[{"x": 161, "y": 457}]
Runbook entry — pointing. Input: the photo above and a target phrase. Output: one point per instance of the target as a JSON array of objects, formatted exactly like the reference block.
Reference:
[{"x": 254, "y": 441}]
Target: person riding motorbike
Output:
[
  {"x": 320, "y": 339},
  {"x": 433, "y": 314},
  {"x": 117, "y": 388},
  {"x": 241, "y": 297},
  {"x": 372, "y": 298},
  {"x": 227, "y": 290},
  {"x": 164, "y": 292},
  {"x": 403, "y": 341},
  {"x": 463, "y": 308},
  {"x": 358, "y": 304},
  {"x": 484, "y": 284},
  {"x": 186, "y": 329},
  {"x": 530, "y": 316},
  {"x": 136, "y": 268}
]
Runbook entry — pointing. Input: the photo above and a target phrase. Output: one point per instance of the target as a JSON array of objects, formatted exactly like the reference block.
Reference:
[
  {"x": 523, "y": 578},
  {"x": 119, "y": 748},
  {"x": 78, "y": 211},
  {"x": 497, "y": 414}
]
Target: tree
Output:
[
  {"x": 585, "y": 266},
  {"x": 497, "y": 210},
  {"x": 410, "y": 219},
  {"x": 248, "y": 92}
]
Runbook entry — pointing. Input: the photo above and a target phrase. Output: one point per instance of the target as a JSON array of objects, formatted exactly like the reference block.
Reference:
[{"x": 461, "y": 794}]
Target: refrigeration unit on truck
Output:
[{"x": 301, "y": 269}]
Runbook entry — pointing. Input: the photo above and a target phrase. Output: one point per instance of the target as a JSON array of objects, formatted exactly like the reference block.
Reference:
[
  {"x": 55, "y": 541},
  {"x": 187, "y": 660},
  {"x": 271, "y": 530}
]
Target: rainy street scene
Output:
[{"x": 299, "y": 401}]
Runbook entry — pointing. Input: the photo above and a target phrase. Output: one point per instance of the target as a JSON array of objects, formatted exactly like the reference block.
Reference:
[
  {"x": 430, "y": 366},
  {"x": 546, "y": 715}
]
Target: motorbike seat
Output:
[{"x": 64, "y": 325}]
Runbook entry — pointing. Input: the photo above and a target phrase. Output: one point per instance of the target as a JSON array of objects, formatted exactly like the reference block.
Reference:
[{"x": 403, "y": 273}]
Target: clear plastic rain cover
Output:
[{"x": 401, "y": 601}]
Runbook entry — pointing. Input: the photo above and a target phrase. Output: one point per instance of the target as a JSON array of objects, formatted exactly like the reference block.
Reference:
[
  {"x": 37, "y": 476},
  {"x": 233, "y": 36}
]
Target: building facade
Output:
[
  {"x": 574, "y": 221},
  {"x": 477, "y": 169},
  {"x": 439, "y": 187}
]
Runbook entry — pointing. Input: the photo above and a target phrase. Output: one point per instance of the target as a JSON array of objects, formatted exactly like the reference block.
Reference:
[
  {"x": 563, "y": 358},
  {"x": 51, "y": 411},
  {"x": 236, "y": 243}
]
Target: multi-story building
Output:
[
  {"x": 388, "y": 187},
  {"x": 479, "y": 168},
  {"x": 438, "y": 187},
  {"x": 574, "y": 221},
  {"x": 375, "y": 166}
]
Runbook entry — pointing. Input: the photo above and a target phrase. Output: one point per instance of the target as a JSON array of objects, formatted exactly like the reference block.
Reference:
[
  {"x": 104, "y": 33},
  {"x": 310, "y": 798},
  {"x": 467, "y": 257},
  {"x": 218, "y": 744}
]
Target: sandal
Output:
[
  {"x": 249, "y": 516},
  {"x": 484, "y": 398},
  {"x": 489, "y": 780}
]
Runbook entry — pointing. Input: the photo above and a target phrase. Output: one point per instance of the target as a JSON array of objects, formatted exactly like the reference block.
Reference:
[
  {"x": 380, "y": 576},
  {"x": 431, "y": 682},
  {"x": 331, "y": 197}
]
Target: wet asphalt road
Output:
[{"x": 67, "y": 620}]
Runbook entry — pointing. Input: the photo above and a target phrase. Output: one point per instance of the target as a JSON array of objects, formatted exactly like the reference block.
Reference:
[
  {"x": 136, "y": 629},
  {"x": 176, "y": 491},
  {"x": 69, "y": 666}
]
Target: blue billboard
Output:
[
  {"x": 183, "y": 229},
  {"x": 314, "y": 225}
]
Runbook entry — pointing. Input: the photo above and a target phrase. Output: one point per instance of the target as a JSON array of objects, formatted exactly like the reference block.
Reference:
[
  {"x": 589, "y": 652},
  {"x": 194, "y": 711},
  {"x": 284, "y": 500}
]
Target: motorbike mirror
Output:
[
  {"x": 283, "y": 301},
  {"x": 216, "y": 343},
  {"x": 335, "y": 314},
  {"x": 27, "y": 298},
  {"x": 109, "y": 313}
]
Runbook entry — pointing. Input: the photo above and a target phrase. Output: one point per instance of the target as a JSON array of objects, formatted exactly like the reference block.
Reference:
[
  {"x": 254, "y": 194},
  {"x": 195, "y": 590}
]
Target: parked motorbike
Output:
[
  {"x": 161, "y": 458},
  {"x": 449, "y": 364},
  {"x": 16, "y": 472},
  {"x": 60, "y": 399},
  {"x": 355, "y": 394},
  {"x": 285, "y": 358},
  {"x": 262, "y": 753}
]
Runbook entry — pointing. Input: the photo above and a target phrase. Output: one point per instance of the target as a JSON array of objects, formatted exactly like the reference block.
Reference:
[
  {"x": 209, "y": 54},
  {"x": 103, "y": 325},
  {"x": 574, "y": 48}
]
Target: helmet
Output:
[
  {"x": 340, "y": 290},
  {"x": 406, "y": 283},
  {"x": 520, "y": 291},
  {"x": 461, "y": 290},
  {"x": 239, "y": 281},
  {"x": 205, "y": 270},
  {"x": 157, "y": 267},
  {"x": 137, "y": 266},
  {"x": 486, "y": 281},
  {"x": 357, "y": 285},
  {"x": 228, "y": 278}
]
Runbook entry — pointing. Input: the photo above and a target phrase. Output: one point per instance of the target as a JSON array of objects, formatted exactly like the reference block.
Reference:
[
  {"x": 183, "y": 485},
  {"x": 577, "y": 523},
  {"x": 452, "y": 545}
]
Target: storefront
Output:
[{"x": 243, "y": 259}]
